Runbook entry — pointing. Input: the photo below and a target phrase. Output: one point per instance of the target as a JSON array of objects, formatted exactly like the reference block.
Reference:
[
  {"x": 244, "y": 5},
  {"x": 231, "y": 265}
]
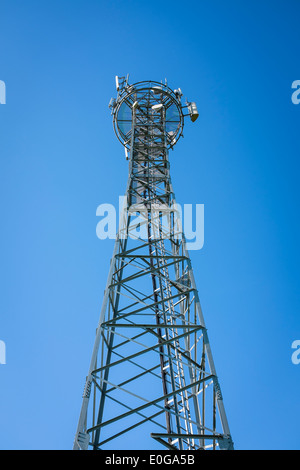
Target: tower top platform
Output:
[{"x": 148, "y": 100}]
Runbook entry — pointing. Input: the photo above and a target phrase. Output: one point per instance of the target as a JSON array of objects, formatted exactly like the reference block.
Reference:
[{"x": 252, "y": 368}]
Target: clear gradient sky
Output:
[{"x": 60, "y": 159}]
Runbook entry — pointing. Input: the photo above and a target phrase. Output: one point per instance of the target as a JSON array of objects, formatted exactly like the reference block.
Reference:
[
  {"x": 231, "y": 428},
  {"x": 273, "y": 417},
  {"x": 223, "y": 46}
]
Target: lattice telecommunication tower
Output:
[{"x": 152, "y": 381}]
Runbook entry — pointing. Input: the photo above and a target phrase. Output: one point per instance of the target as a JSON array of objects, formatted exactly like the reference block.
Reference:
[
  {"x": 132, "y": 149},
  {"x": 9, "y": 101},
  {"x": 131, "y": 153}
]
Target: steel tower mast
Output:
[{"x": 152, "y": 378}]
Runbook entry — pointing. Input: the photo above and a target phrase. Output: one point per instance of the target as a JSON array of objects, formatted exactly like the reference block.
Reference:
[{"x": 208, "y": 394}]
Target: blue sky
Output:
[{"x": 60, "y": 159}]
